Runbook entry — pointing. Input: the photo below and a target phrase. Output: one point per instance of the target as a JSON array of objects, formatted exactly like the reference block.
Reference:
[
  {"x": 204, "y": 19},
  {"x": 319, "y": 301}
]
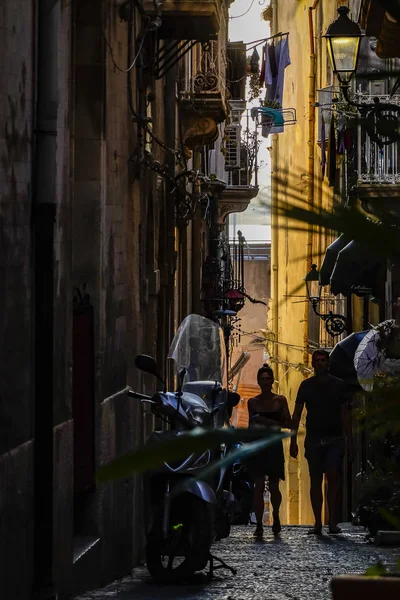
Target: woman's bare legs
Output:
[
  {"x": 258, "y": 501},
  {"x": 276, "y": 499}
]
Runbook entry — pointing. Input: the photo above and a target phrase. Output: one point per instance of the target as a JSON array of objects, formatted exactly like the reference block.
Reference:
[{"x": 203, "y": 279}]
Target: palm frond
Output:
[
  {"x": 378, "y": 238},
  {"x": 172, "y": 447}
]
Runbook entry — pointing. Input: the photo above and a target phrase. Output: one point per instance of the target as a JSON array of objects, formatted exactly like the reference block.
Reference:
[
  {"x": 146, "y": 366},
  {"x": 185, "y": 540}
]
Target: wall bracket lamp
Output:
[{"x": 334, "y": 324}]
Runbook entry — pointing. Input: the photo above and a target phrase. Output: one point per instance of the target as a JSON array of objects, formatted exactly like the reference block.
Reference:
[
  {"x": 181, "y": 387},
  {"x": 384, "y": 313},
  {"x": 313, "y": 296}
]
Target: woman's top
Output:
[
  {"x": 281, "y": 415},
  {"x": 269, "y": 461},
  {"x": 275, "y": 415}
]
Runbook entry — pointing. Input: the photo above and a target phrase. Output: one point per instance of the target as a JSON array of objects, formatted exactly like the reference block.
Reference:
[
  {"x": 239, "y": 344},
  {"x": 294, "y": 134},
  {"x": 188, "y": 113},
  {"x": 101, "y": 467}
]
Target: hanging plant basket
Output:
[{"x": 267, "y": 13}]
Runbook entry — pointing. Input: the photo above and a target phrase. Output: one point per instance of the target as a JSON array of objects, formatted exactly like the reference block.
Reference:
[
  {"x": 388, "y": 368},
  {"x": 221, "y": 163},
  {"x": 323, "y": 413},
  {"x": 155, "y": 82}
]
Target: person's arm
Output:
[
  {"x": 287, "y": 419},
  {"x": 298, "y": 410},
  {"x": 250, "y": 410}
]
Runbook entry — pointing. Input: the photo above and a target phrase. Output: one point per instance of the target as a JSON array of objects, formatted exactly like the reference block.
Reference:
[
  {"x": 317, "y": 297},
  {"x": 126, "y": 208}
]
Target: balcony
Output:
[
  {"x": 236, "y": 70},
  {"x": 240, "y": 165},
  {"x": 378, "y": 172},
  {"x": 187, "y": 19},
  {"x": 203, "y": 94}
]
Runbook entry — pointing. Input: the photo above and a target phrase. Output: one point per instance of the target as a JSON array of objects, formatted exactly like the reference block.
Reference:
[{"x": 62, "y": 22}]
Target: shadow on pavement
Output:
[
  {"x": 144, "y": 588},
  {"x": 336, "y": 539},
  {"x": 269, "y": 541}
]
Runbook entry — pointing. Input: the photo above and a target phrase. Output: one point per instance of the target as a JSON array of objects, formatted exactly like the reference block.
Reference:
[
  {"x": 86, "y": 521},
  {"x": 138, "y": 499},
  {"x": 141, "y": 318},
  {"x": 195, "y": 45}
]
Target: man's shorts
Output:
[{"x": 324, "y": 454}]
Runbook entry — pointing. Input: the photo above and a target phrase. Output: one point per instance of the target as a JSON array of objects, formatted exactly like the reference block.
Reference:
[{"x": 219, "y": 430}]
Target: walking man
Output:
[{"x": 327, "y": 426}]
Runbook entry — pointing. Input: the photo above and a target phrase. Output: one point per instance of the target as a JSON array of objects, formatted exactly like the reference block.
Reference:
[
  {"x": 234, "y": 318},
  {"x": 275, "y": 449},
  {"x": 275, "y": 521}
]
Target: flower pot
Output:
[{"x": 349, "y": 587}]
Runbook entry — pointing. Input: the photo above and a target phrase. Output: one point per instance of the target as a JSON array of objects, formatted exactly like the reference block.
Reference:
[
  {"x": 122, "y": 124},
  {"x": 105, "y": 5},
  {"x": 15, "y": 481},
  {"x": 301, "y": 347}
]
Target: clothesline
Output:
[
  {"x": 259, "y": 42},
  {"x": 260, "y": 337}
]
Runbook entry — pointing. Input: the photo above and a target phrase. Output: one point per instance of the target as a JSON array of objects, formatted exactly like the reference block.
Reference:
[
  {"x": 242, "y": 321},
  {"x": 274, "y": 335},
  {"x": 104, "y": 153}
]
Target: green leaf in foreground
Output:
[
  {"x": 376, "y": 570},
  {"x": 174, "y": 447},
  {"x": 243, "y": 453},
  {"x": 390, "y": 518}
]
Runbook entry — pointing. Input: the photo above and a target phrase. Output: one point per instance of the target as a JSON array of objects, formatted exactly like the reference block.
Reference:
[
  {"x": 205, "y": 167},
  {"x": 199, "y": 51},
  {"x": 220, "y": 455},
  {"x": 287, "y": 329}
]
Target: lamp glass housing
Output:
[{"x": 343, "y": 54}]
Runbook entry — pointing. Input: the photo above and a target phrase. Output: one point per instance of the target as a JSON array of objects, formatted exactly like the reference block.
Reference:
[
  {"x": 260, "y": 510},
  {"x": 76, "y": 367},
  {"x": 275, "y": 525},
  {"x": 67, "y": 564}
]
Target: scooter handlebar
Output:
[{"x": 138, "y": 395}]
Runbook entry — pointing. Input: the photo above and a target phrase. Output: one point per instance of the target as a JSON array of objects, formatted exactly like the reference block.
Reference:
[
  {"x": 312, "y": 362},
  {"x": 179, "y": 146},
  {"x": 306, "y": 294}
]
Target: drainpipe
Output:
[
  {"x": 311, "y": 160},
  {"x": 198, "y": 247},
  {"x": 274, "y": 216},
  {"x": 44, "y": 214}
]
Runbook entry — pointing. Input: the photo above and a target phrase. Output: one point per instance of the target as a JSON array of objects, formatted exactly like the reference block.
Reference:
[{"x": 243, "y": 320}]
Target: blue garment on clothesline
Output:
[
  {"x": 273, "y": 113},
  {"x": 275, "y": 75}
]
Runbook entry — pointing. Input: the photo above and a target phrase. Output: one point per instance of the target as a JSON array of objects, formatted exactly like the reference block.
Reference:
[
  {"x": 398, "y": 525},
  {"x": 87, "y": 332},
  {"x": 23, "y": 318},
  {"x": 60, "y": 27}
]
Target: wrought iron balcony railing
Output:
[
  {"x": 377, "y": 163},
  {"x": 204, "y": 83},
  {"x": 241, "y": 148},
  {"x": 202, "y": 93}
]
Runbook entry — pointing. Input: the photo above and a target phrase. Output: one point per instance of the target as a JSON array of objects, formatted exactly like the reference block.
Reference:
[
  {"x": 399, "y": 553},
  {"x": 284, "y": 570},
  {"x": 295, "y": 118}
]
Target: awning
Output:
[
  {"x": 356, "y": 271},
  {"x": 330, "y": 257}
]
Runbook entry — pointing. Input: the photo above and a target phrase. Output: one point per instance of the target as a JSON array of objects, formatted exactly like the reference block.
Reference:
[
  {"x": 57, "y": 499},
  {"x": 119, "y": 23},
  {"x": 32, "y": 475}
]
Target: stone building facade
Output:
[{"x": 99, "y": 262}]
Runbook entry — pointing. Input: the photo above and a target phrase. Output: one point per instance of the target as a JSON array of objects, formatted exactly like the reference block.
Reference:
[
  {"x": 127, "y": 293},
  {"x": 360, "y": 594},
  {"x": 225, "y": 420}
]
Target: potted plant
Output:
[
  {"x": 375, "y": 583},
  {"x": 267, "y": 13},
  {"x": 379, "y": 507}
]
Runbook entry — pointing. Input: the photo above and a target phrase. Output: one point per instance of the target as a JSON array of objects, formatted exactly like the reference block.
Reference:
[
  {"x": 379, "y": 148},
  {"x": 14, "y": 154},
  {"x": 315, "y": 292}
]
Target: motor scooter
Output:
[{"x": 187, "y": 512}]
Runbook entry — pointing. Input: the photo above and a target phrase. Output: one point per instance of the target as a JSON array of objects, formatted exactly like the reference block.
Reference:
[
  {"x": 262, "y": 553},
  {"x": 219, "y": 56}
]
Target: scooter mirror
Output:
[
  {"x": 148, "y": 365},
  {"x": 233, "y": 400}
]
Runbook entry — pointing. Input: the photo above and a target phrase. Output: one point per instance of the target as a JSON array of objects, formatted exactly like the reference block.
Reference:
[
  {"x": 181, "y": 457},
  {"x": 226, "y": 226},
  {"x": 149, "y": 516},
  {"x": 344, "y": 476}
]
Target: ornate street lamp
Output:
[
  {"x": 343, "y": 39},
  {"x": 334, "y": 324},
  {"x": 313, "y": 287}
]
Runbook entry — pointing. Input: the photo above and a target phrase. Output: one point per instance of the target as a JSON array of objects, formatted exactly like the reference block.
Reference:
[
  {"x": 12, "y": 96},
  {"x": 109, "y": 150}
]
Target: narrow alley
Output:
[{"x": 295, "y": 566}]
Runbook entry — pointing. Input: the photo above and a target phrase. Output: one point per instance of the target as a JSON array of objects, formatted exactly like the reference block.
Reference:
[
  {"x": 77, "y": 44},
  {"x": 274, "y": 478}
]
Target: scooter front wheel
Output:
[{"x": 186, "y": 549}]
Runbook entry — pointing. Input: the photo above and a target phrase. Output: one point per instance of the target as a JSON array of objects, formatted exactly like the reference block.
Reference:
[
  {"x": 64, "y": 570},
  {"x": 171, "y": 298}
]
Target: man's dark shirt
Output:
[{"x": 323, "y": 400}]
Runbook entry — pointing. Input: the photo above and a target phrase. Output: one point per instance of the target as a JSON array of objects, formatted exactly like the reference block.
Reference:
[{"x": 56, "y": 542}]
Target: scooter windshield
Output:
[{"x": 199, "y": 347}]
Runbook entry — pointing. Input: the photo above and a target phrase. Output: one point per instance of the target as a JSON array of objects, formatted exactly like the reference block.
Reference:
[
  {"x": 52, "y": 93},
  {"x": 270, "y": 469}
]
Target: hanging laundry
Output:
[
  {"x": 274, "y": 116},
  {"x": 275, "y": 77},
  {"x": 331, "y": 162},
  {"x": 349, "y": 138},
  {"x": 263, "y": 64},
  {"x": 341, "y": 128},
  {"x": 273, "y": 62},
  {"x": 323, "y": 146},
  {"x": 349, "y": 134}
]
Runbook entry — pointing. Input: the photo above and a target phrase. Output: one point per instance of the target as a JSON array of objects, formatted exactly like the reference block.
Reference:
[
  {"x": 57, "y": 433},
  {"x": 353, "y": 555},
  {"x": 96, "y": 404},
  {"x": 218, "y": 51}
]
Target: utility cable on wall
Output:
[{"x": 134, "y": 60}]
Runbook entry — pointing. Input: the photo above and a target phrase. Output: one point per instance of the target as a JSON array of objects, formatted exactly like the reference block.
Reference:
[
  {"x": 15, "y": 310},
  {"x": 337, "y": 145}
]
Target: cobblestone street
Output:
[{"x": 295, "y": 566}]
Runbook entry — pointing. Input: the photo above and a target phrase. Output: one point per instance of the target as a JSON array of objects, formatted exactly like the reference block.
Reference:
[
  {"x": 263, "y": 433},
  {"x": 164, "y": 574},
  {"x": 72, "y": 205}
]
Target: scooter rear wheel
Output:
[{"x": 188, "y": 545}]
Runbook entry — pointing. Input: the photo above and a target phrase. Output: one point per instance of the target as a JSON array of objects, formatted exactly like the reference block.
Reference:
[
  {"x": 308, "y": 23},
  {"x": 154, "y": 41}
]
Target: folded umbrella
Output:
[
  {"x": 341, "y": 359},
  {"x": 367, "y": 359}
]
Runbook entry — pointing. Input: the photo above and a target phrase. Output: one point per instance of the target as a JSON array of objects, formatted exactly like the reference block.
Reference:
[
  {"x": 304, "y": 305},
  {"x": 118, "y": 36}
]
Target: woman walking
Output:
[{"x": 268, "y": 410}]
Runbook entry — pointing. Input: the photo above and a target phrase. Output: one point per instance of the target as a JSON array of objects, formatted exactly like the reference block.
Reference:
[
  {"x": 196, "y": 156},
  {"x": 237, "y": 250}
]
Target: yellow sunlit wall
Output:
[{"x": 297, "y": 178}]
